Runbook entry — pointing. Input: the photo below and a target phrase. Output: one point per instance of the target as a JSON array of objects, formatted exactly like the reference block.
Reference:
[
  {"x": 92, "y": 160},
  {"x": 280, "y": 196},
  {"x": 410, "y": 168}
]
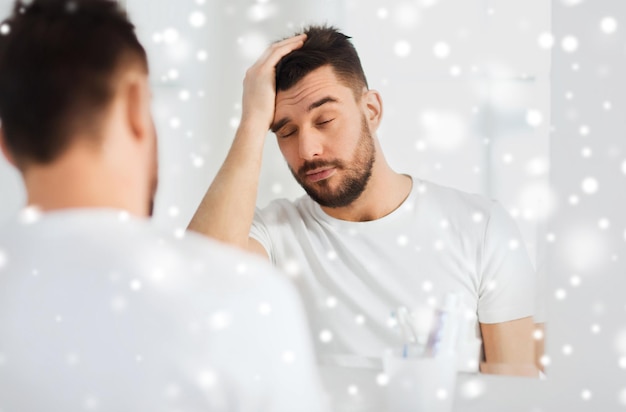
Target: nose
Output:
[{"x": 310, "y": 144}]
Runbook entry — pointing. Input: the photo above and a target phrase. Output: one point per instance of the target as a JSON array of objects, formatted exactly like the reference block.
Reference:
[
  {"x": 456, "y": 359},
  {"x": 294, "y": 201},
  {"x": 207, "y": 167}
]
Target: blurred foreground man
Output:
[{"x": 99, "y": 310}]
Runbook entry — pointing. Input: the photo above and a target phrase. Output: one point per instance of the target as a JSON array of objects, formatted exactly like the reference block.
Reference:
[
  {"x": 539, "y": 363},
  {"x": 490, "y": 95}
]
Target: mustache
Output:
[{"x": 316, "y": 164}]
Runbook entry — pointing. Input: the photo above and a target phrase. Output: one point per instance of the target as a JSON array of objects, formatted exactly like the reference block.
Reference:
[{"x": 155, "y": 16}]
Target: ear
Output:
[
  {"x": 5, "y": 149},
  {"x": 137, "y": 97},
  {"x": 373, "y": 105}
]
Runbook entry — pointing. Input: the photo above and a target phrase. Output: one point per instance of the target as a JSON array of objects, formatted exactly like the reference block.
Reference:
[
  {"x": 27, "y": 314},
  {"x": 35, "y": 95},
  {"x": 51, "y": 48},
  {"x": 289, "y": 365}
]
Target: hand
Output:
[{"x": 259, "y": 85}]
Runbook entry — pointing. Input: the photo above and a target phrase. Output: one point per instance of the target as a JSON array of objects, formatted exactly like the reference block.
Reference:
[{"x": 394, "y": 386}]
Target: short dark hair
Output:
[
  {"x": 58, "y": 59},
  {"x": 324, "y": 46}
]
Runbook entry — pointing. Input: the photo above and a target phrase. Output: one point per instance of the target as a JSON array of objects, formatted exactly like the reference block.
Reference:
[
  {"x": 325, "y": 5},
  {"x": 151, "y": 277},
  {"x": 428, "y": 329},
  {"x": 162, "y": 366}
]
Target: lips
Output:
[{"x": 319, "y": 174}]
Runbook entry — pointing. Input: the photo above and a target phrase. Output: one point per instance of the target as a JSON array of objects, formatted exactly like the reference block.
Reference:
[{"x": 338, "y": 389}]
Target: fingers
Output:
[{"x": 282, "y": 48}]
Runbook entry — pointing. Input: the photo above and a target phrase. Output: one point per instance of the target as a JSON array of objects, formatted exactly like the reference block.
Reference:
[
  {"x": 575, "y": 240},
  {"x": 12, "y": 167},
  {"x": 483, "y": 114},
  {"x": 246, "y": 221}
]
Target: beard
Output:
[{"x": 356, "y": 174}]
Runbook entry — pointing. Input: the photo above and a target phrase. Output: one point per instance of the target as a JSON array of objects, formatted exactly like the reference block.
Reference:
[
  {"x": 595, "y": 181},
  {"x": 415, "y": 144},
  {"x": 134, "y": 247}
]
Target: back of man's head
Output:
[
  {"x": 58, "y": 64},
  {"x": 324, "y": 46}
]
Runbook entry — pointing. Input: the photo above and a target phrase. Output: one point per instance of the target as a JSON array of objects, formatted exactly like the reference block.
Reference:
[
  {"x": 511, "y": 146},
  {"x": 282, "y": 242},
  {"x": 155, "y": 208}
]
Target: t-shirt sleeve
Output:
[
  {"x": 507, "y": 286},
  {"x": 260, "y": 232}
]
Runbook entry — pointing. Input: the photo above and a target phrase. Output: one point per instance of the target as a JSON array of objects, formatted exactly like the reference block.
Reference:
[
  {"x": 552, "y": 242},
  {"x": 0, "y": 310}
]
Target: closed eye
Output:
[
  {"x": 324, "y": 122},
  {"x": 283, "y": 135}
]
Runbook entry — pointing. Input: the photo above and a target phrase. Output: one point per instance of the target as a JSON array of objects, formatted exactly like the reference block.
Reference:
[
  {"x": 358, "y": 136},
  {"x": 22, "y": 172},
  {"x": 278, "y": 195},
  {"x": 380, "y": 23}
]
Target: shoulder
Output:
[
  {"x": 454, "y": 201},
  {"x": 281, "y": 210}
]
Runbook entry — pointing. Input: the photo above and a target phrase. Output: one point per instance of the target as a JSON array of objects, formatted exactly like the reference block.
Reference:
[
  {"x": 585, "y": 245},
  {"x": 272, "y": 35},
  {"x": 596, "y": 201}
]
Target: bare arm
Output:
[
  {"x": 540, "y": 347},
  {"x": 227, "y": 210},
  {"x": 509, "y": 348}
]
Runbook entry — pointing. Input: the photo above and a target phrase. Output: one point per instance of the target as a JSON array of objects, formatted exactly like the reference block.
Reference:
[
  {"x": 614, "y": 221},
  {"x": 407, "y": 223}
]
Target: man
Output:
[
  {"x": 366, "y": 239},
  {"x": 99, "y": 310}
]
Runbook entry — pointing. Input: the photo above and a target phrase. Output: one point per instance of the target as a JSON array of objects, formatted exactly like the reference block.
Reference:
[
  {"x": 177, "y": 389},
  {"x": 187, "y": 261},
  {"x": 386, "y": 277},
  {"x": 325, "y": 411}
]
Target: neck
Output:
[
  {"x": 384, "y": 193},
  {"x": 84, "y": 180}
]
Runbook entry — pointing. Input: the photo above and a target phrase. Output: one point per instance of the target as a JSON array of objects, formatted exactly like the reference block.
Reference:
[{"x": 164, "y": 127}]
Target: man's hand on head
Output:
[{"x": 259, "y": 85}]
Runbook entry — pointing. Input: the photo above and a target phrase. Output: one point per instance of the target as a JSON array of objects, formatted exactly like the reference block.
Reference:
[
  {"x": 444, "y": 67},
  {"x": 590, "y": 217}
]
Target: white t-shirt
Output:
[
  {"x": 353, "y": 274},
  {"x": 101, "y": 311}
]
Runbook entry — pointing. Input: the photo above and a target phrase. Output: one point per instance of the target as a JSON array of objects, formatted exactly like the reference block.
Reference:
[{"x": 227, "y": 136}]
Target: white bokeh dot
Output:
[
  {"x": 135, "y": 285},
  {"x": 326, "y": 336},
  {"x": 353, "y": 390},
  {"x": 546, "y": 40},
  {"x": 288, "y": 357},
  {"x": 5, "y": 29},
  {"x": 621, "y": 397},
  {"x": 331, "y": 301},
  {"x": 620, "y": 342},
  {"x": 608, "y": 25},
  {"x": 277, "y": 188},
  {"x": 584, "y": 130},
  {"x": 589, "y": 185},
  {"x": 569, "y": 44},
  {"x": 585, "y": 394},
  {"x": 604, "y": 223},
  {"x": 265, "y": 308},
  {"x": 197, "y": 19},
  {"x": 220, "y": 320},
  {"x": 571, "y": 2},
  {"x": 473, "y": 389},
  {"x": 402, "y": 48},
  {"x": 207, "y": 379},
  {"x": 292, "y": 268},
  {"x": 567, "y": 350},
  {"x": 382, "y": 379},
  {"x": 560, "y": 294},
  {"x": 585, "y": 152},
  {"x": 174, "y": 122},
  {"x": 441, "y": 50},
  {"x": 534, "y": 117},
  {"x": 170, "y": 35},
  {"x": 184, "y": 95},
  {"x": 30, "y": 215},
  {"x": 202, "y": 55},
  {"x": 406, "y": 16}
]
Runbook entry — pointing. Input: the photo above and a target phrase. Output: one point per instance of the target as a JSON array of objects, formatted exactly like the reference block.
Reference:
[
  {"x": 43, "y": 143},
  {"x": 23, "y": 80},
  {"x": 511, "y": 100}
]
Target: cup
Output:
[{"x": 419, "y": 384}]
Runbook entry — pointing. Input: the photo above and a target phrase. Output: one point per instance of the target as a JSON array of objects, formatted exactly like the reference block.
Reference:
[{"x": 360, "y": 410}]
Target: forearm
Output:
[
  {"x": 509, "y": 348},
  {"x": 227, "y": 209}
]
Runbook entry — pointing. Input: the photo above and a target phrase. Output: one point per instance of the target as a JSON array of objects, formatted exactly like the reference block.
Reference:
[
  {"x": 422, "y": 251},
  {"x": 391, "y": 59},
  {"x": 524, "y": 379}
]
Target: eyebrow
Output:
[{"x": 279, "y": 124}]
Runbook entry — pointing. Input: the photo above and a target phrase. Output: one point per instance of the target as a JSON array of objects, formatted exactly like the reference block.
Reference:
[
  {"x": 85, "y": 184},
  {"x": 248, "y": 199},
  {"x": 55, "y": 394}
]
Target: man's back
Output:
[{"x": 100, "y": 311}]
